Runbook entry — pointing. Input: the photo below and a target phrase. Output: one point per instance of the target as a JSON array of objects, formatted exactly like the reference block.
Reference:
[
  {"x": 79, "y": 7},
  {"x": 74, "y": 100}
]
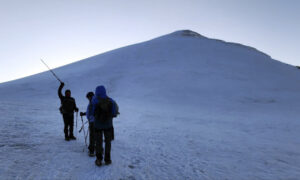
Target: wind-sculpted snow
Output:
[{"x": 191, "y": 108}]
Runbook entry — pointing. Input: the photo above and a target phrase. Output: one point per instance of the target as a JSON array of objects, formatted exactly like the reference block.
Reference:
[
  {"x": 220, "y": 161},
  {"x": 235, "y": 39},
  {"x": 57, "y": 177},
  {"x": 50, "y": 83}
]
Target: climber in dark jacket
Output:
[{"x": 68, "y": 106}]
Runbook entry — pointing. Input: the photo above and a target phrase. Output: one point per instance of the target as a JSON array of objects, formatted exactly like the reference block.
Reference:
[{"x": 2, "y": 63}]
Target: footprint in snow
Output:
[{"x": 131, "y": 166}]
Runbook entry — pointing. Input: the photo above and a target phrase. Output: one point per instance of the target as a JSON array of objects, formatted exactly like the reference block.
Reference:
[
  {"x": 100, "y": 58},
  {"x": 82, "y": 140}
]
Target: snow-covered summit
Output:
[{"x": 166, "y": 69}]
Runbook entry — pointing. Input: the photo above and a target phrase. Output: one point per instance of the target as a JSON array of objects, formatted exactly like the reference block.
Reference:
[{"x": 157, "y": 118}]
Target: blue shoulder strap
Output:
[{"x": 113, "y": 111}]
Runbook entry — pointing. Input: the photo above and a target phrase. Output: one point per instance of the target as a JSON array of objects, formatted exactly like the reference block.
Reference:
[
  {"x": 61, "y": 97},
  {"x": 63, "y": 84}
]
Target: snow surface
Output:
[{"x": 191, "y": 108}]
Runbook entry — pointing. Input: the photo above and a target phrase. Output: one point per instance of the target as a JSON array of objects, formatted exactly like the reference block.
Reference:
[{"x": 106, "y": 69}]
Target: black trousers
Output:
[
  {"x": 69, "y": 124},
  {"x": 92, "y": 137},
  {"x": 99, "y": 143},
  {"x": 112, "y": 133}
]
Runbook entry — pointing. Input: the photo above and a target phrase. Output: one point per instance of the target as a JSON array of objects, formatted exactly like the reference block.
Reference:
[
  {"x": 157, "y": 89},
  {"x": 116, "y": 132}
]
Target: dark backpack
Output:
[
  {"x": 103, "y": 110},
  {"x": 67, "y": 106}
]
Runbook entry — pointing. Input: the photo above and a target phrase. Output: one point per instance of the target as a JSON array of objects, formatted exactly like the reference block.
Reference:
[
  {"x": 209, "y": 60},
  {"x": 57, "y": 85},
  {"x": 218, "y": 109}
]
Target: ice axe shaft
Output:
[{"x": 51, "y": 71}]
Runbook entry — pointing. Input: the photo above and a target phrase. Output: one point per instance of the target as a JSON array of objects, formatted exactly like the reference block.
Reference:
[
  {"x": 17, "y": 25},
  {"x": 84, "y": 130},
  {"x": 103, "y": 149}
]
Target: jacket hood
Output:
[{"x": 101, "y": 92}]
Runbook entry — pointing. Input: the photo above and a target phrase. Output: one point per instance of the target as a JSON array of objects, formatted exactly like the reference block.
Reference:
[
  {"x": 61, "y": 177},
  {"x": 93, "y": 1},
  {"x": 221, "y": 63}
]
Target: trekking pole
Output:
[
  {"x": 76, "y": 122},
  {"x": 51, "y": 71},
  {"x": 82, "y": 126},
  {"x": 86, "y": 139},
  {"x": 84, "y": 136}
]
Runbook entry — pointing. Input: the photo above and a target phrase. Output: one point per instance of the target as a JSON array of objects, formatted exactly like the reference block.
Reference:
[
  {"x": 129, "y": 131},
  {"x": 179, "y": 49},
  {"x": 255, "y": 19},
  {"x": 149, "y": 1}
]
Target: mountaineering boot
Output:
[
  {"x": 108, "y": 162},
  {"x": 91, "y": 154},
  {"x": 98, "y": 162},
  {"x": 72, "y": 137},
  {"x": 67, "y": 138}
]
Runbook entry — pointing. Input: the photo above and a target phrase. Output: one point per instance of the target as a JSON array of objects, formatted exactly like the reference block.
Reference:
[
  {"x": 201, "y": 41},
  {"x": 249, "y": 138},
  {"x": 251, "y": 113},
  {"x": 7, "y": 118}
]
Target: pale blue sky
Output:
[{"x": 64, "y": 31}]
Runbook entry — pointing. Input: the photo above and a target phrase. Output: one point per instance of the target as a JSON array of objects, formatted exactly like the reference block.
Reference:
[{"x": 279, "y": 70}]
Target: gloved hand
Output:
[
  {"x": 81, "y": 114},
  {"x": 76, "y": 109},
  {"x": 62, "y": 84}
]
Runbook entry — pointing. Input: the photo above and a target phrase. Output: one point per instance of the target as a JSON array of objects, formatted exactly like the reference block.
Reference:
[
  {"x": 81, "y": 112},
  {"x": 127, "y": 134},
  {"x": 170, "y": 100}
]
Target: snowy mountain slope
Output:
[
  {"x": 187, "y": 63},
  {"x": 191, "y": 108}
]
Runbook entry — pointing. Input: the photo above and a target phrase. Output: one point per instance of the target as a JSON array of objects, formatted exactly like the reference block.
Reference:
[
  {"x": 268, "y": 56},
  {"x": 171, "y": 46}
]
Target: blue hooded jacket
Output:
[
  {"x": 89, "y": 114},
  {"x": 101, "y": 92}
]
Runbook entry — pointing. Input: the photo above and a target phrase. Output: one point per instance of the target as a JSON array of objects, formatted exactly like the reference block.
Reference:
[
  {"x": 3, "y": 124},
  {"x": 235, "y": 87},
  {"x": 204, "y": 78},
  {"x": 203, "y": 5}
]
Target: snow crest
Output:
[{"x": 188, "y": 33}]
